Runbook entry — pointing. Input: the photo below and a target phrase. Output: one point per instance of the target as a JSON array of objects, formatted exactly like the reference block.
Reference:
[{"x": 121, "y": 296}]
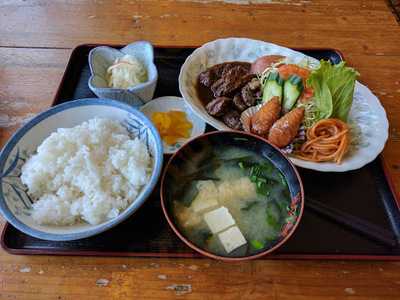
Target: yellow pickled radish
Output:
[{"x": 172, "y": 125}]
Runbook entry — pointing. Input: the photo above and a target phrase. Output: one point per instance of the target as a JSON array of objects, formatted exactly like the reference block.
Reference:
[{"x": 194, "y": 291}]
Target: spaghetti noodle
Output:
[{"x": 327, "y": 140}]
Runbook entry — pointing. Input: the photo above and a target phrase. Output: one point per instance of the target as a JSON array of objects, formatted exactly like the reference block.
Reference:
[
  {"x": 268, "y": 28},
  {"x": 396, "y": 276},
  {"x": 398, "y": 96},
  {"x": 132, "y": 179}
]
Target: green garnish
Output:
[
  {"x": 283, "y": 180},
  {"x": 262, "y": 188},
  {"x": 290, "y": 219},
  {"x": 273, "y": 215},
  {"x": 283, "y": 205},
  {"x": 263, "y": 180},
  {"x": 260, "y": 174},
  {"x": 256, "y": 244},
  {"x": 253, "y": 178},
  {"x": 271, "y": 220},
  {"x": 269, "y": 240}
]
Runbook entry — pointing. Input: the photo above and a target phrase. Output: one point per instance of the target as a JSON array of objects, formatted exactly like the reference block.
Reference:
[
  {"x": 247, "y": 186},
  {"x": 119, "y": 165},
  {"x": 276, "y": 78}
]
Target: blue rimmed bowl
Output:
[
  {"x": 15, "y": 203},
  {"x": 101, "y": 58}
]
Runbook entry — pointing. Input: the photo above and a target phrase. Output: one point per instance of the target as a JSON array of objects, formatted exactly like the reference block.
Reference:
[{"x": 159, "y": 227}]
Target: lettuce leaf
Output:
[
  {"x": 333, "y": 87},
  {"x": 322, "y": 97}
]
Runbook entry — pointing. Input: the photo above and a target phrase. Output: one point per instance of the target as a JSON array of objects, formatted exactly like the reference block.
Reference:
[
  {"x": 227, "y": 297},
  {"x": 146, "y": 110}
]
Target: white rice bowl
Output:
[{"x": 91, "y": 172}]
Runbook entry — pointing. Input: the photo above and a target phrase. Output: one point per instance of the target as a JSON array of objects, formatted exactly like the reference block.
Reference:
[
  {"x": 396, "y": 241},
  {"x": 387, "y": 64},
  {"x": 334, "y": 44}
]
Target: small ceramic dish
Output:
[
  {"x": 16, "y": 204},
  {"x": 183, "y": 160},
  {"x": 168, "y": 103},
  {"x": 101, "y": 58}
]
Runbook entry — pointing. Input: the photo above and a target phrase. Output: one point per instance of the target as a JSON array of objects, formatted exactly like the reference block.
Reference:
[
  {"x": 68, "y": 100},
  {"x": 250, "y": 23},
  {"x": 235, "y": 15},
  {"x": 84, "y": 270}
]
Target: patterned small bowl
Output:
[
  {"x": 100, "y": 58},
  {"x": 16, "y": 204}
]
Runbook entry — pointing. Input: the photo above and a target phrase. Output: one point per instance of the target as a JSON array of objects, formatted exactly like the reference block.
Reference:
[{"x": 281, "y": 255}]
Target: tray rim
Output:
[
  {"x": 74, "y": 52},
  {"x": 194, "y": 255}
]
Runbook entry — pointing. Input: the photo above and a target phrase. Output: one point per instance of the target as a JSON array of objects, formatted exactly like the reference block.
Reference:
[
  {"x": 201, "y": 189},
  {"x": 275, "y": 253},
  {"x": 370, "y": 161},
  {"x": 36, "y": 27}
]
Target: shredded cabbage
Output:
[
  {"x": 126, "y": 72},
  {"x": 308, "y": 63},
  {"x": 310, "y": 113}
]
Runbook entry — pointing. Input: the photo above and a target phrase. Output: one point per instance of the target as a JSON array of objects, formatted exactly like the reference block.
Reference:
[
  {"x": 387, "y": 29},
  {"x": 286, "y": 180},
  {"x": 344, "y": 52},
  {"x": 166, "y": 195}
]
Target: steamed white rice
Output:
[{"x": 91, "y": 172}]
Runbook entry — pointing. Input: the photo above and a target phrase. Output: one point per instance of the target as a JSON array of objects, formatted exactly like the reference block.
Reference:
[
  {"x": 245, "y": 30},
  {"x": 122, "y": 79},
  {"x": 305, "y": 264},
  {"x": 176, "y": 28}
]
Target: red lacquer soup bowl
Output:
[{"x": 195, "y": 155}]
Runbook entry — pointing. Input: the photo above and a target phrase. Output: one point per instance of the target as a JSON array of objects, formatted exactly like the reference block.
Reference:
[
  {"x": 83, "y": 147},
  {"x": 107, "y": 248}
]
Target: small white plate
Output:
[{"x": 168, "y": 103}]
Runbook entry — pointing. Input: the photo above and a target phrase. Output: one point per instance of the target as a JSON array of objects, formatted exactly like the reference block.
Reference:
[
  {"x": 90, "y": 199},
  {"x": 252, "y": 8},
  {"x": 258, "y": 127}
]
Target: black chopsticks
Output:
[{"x": 367, "y": 229}]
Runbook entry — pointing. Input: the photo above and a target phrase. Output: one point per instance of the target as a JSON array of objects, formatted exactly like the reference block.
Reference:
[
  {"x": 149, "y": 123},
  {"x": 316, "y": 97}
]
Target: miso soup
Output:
[{"x": 231, "y": 202}]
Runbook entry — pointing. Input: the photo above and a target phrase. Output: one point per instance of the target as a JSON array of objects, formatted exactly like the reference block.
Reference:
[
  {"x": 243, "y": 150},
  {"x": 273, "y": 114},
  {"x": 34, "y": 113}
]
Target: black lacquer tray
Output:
[{"x": 328, "y": 229}]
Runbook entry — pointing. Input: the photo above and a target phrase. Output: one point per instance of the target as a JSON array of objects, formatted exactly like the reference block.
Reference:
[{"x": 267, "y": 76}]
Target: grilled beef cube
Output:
[
  {"x": 218, "y": 87},
  {"x": 242, "y": 66},
  {"x": 248, "y": 96},
  {"x": 209, "y": 76},
  {"x": 254, "y": 84},
  {"x": 218, "y": 106},
  {"x": 212, "y": 74},
  {"x": 238, "y": 103},
  {"x": 232, "y": 120},
  {"x": 231, "y": 81}
]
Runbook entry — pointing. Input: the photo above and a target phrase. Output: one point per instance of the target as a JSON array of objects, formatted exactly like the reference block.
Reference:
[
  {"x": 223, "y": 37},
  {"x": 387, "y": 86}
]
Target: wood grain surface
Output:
[{"x": 36, "y": 39}]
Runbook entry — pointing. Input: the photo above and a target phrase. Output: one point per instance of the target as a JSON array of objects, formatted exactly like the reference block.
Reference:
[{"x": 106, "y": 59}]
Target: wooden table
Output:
[{"x": 36, "y": 38}]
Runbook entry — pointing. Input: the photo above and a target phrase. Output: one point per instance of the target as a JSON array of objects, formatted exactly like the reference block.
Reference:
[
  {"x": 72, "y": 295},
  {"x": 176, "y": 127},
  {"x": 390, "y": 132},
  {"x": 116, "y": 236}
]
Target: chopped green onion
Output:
[
  {"x": 283, "y": 179},
  {"x": 263, "y": 180},
  {"x": 271, "y": 220},
  {"x": 269, "y": 240},
  {"x": 256, "y": 244},
  {"x": 262, "y": 188},
  {"x": 253, "y": 178},
  {"x": 290, "y": 219}
]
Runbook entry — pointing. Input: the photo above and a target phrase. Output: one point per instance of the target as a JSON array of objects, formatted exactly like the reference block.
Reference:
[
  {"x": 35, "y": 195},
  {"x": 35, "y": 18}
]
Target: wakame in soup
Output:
[{"x": 231, "y": 202}]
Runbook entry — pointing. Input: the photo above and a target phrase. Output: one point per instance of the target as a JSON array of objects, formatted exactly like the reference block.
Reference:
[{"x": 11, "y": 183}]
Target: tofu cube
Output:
[
  {"x": 219, "y": 219},
  {"x": 206, "y": 197},
  {"x": 232, "y": 239}
]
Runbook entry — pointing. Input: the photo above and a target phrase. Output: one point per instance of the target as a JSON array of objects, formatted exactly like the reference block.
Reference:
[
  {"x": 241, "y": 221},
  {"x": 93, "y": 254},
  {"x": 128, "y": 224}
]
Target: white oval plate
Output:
[
  {"x": 367, "y": 112},
  {"x": 167, "y": 103}
]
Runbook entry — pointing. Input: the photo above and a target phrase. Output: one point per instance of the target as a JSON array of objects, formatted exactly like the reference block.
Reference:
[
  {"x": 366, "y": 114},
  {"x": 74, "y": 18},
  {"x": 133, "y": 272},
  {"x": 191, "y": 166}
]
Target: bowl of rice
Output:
[{"x": 78, "y": 169}]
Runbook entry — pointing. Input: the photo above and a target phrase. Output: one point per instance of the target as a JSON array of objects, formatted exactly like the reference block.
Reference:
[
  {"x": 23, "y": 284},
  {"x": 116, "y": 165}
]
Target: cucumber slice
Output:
[
  {"x": 273, "y": 87},
  {"x": 292, "y": 89}
]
